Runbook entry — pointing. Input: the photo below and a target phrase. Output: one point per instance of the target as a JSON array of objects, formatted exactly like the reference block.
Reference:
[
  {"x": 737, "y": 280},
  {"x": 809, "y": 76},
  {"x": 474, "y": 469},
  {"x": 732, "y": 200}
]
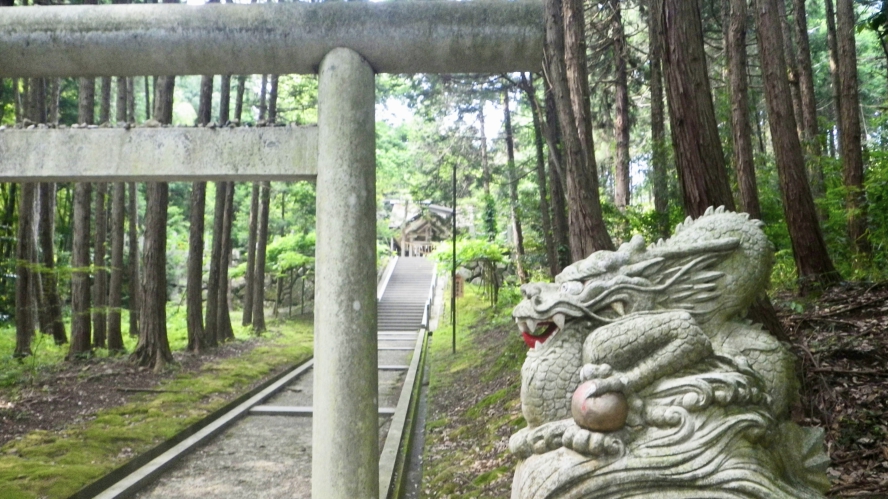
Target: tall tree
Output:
[
  {"x": 153, "y": 349},
  {"x": 24, "y": 270},
  {"x": 117, "y": 230},
  {"x": 51, "y": 321},
  {"x": 565, "y": 54},
  {"x": 621, "y": 108},
  {"x": 224, "y": 312},
  {"x": 259, "y": 272},
  {"x": 81, "y": 331},
  {"x": 100, "y": 289},
  {"x": 698, "y": 153},
  {"x": 850, "y": 142},
  {"x": 513, "y": 190},
  {"x": 115, "y": 286},
  {"x": 52, "y": 301},
  {"x": 741, "y": 130},
  {"x": 194, "y": 281},
  {"x": 253, "y": 230},
  {"x": 135, "y": 287},
  {"x": 527, "y": 86},
  {"x": 809, "y": 249},
  {"x": 557, "y": 176},
  {"x": 658, "y": 120},
  {"x": 213, "y": 336},
  {"x": 810, "y": 132}
]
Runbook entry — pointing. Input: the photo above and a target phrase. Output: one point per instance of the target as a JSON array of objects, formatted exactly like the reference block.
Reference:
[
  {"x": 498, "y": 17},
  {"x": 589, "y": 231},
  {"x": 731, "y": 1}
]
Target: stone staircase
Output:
[{"x": 403, "y": 303}]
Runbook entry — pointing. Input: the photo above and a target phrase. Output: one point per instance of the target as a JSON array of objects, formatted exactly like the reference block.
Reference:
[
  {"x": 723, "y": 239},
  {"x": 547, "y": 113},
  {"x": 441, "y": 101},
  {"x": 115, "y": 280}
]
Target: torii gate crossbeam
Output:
[{"x": 346, "y": 43}]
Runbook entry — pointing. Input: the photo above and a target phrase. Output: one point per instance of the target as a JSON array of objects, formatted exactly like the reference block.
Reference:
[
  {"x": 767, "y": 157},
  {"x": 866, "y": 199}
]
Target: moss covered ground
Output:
[
  {"x": 474, "y": 403},
  {"x": 58, "y": 463}
]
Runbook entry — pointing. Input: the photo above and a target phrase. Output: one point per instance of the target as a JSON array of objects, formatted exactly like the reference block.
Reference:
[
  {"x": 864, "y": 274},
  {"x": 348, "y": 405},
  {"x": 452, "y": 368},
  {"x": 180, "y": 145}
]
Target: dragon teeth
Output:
[
  {"x": 537, "y": 344},
  {"x": 522, "y": 326},
  {"x": 618, "y": 308},
  {"x": 559, "y": 319},
  {"x": 532, "y": 324}
]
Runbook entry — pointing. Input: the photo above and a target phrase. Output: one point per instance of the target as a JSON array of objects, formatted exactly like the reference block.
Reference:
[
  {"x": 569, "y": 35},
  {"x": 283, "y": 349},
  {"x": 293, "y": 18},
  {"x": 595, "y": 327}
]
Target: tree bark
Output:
[
  {"x": 213, "y": 335},
  {"x": 698, "y": 153},
  {"x": 259, "y": 273},
  {"x": 272, "y": 99},
  {"x": 81, "y": 331},
  {"x": 810, "y": 132},
  {"x": 81, "y": 334},
  {"x": 115, "y": 287},
  {"x": 561, "y": 231},
  {"x": 105, "y": 101},
  {"x": 513, "y": 191},
  {"x": 792, "y": 64},
  {"x": 51, "y": 299},
  {"x": 135, "y": 286},
  {"x": 251, "y": 255},
  {"x": 658, "y": 126},
  {"x": 24, "y": 270},
  {"x": 100, "y": 290},
  {"x": 850, "y": 141},
  {"x": 809, "y": 249},
  {"x": 205, "y": 101},
  {"x": 566, "y": 59},
  {"x": 741, "y": 130},
  {"x": 224, "y": 99},
  {"x": 120, "y": 105},
  {"x": 622, "y": 181},
  {"x": 194, "y": 282},
  {"x": 163, "y": 105},
  {"x": 545, "y": 215},
  {"x": 224, "y": 320},
  {"x": 153, "y": 349},
  {"x": 263, "y": 94},
  {"x": 239, "y": 99},
  {"x": 86, "y": 101}
]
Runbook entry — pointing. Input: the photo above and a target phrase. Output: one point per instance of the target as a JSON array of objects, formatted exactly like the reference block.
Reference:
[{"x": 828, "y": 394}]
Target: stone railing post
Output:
[{"x": 345, "y": 453}]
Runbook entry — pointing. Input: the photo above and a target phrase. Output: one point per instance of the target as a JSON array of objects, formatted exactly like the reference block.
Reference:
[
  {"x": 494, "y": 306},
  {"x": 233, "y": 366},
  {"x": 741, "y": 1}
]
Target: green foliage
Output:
[
  {"x": 292, "y": 252},
  {"x": 468, "y": 251}
]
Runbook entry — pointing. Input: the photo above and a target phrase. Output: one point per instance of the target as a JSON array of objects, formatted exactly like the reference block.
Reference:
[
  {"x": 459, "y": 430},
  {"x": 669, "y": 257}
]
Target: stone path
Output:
[{"x": 270, "y": 456}]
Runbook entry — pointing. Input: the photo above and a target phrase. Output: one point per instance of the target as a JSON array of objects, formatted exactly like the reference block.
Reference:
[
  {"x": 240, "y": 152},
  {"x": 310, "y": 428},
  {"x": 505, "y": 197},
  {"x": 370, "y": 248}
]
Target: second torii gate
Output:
[{"x": 346, "y": 44}]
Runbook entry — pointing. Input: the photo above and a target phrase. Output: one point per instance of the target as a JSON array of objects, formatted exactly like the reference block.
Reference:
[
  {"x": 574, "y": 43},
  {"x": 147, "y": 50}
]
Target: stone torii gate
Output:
[{"x": 346, "y": 44}]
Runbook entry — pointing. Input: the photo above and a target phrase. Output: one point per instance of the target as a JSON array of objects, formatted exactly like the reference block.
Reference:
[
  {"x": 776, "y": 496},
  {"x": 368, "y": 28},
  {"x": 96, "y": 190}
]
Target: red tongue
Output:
[{"x": 532, "y": 340}]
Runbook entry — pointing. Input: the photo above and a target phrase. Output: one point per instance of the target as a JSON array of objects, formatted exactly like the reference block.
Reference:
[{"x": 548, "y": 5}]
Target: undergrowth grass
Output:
[
  {"x": 57, "y": 464},
  {"x": 481, "y": 378},
  {"x": 46, "y": 354}
]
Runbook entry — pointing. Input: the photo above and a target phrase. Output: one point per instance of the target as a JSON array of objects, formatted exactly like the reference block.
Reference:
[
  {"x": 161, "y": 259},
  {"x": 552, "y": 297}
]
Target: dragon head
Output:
[{"x": 700, "y": 270}]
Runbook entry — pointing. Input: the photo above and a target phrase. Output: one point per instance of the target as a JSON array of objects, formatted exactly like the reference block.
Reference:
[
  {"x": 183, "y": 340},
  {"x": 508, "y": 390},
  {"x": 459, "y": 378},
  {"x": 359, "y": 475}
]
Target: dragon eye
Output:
[{"x": 572, "y": 287}]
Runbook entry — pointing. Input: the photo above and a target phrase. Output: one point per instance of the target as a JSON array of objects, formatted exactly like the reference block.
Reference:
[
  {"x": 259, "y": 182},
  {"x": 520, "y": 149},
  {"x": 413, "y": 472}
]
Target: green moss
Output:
[
  {"x": 485, "y": 478},
  {"x": 458, "y": 443},
  {"x": 57, "y": 464}
]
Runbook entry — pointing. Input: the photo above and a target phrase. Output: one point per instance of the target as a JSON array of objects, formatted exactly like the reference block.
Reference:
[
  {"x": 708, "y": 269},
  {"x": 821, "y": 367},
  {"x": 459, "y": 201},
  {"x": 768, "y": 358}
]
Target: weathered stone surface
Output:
[
  {"x": 658, "y": 332},
  {"x": 159, "y": 154},
  {"x": 278, "y": 38}
]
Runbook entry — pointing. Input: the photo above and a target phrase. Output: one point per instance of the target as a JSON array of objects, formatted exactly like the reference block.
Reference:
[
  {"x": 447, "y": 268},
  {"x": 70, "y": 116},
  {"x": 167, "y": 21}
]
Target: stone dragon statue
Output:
[{"x": 644, "y": 379}]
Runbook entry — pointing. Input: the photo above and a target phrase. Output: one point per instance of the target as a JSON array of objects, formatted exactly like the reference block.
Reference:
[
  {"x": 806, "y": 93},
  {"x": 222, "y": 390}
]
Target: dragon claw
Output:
[
  {"x": 593, "y": 371},
  {"x": 595, "y": 444}
]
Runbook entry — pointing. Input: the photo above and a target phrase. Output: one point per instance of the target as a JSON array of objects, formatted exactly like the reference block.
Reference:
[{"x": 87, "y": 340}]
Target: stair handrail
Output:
[
  {"x": 427, "y": 312},
  {"x": 386, "y": 275}
]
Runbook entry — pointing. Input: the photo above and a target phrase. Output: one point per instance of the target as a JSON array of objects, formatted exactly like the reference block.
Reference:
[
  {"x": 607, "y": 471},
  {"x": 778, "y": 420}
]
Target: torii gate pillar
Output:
[{"x": 345, "y": 449}]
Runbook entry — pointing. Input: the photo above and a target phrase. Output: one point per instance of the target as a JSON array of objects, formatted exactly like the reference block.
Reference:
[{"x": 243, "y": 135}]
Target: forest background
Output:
[{"x": 647, "y": 111}]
